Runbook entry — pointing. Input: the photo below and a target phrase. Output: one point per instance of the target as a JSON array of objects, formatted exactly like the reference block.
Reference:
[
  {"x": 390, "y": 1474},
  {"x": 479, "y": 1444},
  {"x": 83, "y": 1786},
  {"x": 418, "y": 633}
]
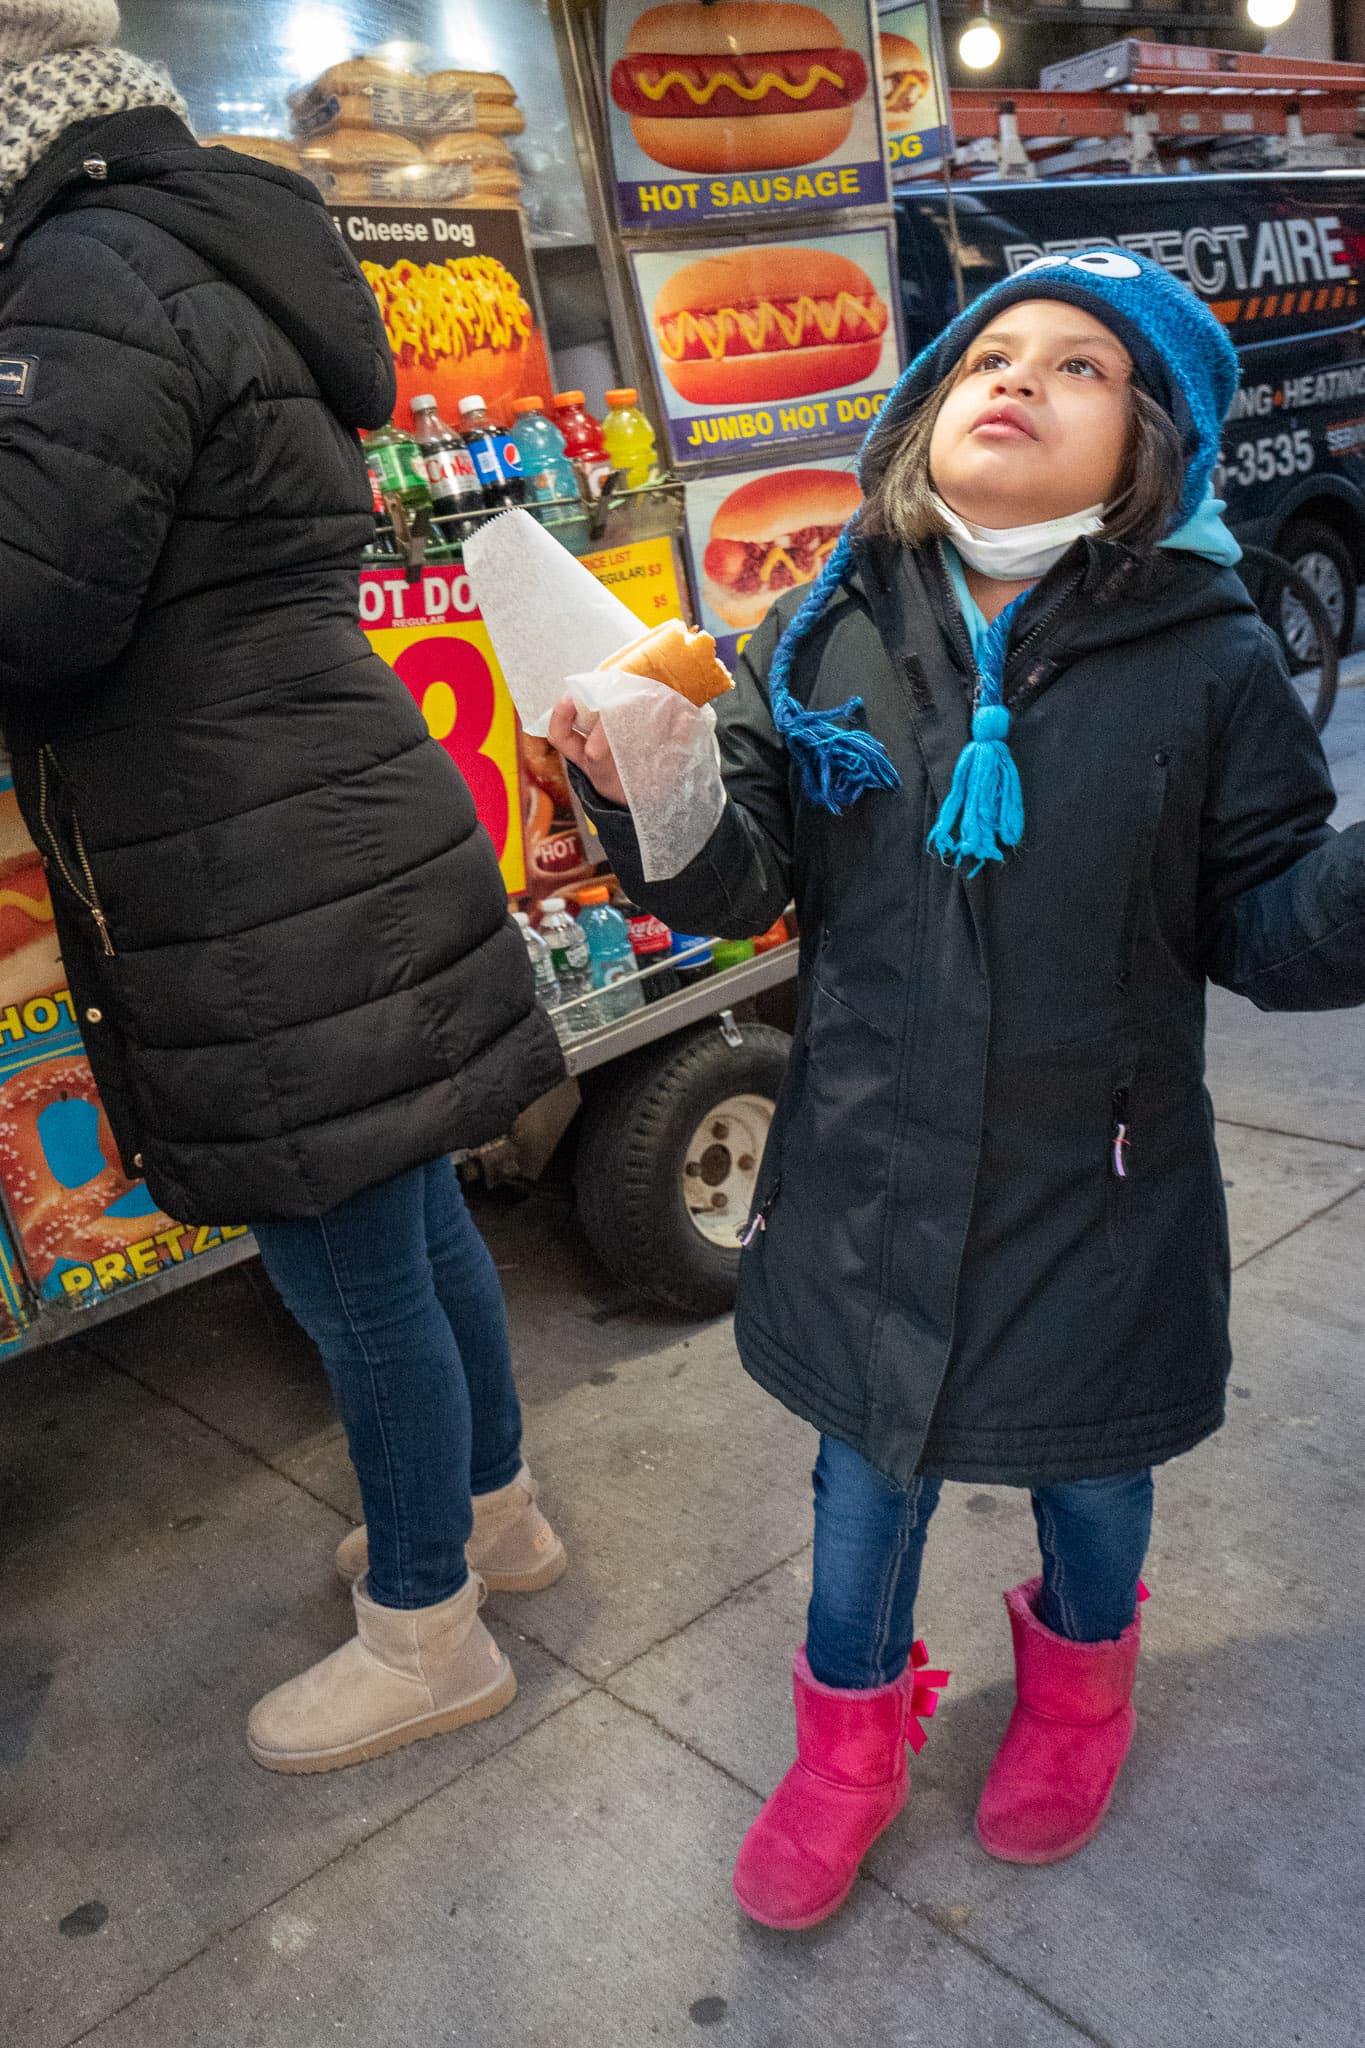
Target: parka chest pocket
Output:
[{"x": 1151, "y": 801}]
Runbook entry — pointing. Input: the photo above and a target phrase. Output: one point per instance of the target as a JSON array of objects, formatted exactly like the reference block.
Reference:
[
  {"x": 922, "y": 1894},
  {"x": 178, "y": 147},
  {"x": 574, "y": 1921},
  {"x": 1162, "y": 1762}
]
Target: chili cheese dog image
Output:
[
  {"x": 768, "y": 323},
  {"x": 905, "y": 81},
  {"x": 737, "y": 85},
  {"x": 774, "y": 534},
  {"x": 682, "y": 657}
]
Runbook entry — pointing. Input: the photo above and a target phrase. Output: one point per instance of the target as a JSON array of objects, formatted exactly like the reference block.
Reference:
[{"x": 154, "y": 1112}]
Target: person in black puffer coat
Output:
[
  {"x": 283, "y": 927},
  {"x": 990, "y": 1242}
]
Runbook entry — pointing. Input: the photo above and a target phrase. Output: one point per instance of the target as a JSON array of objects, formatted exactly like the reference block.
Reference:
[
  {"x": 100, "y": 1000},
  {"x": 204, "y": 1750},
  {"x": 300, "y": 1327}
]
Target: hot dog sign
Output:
[
  {"x": 733, "y": 108},
  {"x": 762, "y": 344}
]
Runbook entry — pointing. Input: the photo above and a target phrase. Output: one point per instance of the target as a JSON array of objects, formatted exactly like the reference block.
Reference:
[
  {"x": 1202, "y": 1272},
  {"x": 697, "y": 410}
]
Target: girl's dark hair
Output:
[{"x": 900, "y": 505}]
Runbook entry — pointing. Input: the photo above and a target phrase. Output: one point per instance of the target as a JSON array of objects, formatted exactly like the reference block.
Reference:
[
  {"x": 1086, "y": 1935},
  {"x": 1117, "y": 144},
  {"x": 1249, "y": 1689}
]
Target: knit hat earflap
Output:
[
  {"x": 35, "y": 28},
  {"x": 1181, "y": 356}
]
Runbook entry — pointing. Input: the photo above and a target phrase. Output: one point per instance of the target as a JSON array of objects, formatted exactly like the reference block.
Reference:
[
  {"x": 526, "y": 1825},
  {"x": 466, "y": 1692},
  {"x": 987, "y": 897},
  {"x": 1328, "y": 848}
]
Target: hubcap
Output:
[
  {"x": 1300, "y": 634},
  {"x": 720, "y": 1167}
]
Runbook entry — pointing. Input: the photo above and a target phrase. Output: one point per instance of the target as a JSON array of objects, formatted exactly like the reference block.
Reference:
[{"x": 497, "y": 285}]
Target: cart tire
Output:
[{"x": 637, "y": 1142}]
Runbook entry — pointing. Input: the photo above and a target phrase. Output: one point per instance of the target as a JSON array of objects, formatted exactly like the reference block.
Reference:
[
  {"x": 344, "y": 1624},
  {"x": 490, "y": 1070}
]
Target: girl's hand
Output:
[{"x": 593, "y": 754}]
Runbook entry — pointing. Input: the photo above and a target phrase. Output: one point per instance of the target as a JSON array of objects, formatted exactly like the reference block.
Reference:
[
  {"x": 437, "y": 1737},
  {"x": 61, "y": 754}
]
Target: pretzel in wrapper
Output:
[{"x": 680, "y": 656}]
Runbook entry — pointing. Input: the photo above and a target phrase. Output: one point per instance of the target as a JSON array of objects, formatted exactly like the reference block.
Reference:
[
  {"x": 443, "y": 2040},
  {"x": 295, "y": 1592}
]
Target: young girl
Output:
[{"x": 990, "y": 1241}]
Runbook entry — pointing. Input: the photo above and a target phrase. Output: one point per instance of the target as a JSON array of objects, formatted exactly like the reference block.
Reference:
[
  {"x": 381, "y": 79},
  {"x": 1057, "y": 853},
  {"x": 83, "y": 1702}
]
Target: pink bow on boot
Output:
[
  {"x": 799, "y": 1860},
  {"x": 1054, "y": 1774}
]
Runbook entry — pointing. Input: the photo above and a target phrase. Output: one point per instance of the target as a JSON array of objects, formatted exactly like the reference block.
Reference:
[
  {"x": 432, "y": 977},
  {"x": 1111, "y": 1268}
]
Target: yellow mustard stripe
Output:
[
  {"x": 38, "y": 908},
  {"x": 758, "y": 326},
  {"x": 701, "y": 95}
]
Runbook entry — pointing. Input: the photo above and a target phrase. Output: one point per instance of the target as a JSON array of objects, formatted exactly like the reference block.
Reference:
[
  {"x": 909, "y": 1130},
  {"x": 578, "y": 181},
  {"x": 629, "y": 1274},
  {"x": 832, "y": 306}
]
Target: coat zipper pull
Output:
[
  {"x": 760, "y": 1217},
  {"x": 1121, "y": 1140},
  {"x": 102, "y": 926}
]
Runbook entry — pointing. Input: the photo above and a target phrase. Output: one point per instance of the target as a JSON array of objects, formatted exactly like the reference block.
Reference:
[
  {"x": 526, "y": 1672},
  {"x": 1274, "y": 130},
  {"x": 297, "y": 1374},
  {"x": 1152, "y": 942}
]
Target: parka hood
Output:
[{"x": 263, "y": 229}]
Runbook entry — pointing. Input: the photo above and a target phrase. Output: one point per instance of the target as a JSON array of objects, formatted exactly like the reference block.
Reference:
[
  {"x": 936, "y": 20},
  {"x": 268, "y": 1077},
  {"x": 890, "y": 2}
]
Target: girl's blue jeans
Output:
[
  {"x": 869, "y": 1544},
  {"x": 401, "y": 1296}
]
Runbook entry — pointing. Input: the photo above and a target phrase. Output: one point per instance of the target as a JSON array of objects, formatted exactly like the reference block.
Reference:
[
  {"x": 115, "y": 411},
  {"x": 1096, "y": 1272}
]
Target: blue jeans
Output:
[
  {"x": 869, "y": 1544},
  {"x": 401, "y": 1296}
]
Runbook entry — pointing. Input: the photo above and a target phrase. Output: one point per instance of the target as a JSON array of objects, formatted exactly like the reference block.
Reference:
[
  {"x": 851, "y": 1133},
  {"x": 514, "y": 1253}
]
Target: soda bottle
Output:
[
  {"x": 776, "y": 935},
  {"x": 613, "y": 958},
  {"x": 583, "y": 443},
  {"x": 547, "y": 984},
  {"x": 451, "y": 476},
  {"x": 629, "y": 438},
  {"x": 497, "y": 459},
  {"x": 731, "y": 953},
  {"x": 699, "y": 965},
  {"x": 649, "y": 941},
  {"x": 572, "y": 965},
  {"x": 398, "y": 474},
  {"x": 547, "y": 470}
]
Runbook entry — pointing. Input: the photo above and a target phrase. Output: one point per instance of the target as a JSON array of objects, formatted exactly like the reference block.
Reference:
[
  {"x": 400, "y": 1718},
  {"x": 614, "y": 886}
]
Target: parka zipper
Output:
[
  {"x": 90, "y": 902},
  {"x": 759, "y": 1220},
  {"x": 1120, "y": 1137},
  {"x": 958, "y": 626}
]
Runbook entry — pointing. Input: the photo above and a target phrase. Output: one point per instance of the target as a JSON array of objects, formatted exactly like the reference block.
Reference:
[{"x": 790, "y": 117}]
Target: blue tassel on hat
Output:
[
  {"x": 838, "y": 761},
  {"x": 983, "y": 812}
]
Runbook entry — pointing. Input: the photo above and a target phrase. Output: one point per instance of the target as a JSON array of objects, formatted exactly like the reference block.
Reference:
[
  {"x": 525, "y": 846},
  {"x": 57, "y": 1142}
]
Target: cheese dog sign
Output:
[{"x": 726, "y": 108}]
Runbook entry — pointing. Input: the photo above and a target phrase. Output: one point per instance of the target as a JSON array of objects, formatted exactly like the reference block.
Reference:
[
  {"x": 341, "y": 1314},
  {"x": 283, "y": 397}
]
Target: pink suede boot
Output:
[
  {"x": 800, "y": 1858},
  {"x": 1054, "y": 1774}
]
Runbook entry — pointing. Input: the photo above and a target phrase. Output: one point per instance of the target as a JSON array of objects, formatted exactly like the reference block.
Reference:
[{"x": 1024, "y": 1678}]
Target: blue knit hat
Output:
[{"x": 1181, "y": 356}]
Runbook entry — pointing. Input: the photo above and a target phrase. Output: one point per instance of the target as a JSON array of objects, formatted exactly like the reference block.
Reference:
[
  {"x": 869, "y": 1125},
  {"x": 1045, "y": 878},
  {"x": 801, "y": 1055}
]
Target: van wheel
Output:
[
  {"x": 668, "y": 1162},
  {"x": 1323, "y": 560}
]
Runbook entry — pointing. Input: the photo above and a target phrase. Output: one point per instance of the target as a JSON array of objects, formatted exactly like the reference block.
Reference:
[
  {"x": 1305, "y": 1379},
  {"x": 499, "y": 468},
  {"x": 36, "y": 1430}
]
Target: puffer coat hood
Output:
[{"x": 283, "y": 925}]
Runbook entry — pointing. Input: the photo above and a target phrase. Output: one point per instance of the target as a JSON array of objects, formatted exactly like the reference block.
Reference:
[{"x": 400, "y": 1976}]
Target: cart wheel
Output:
[{"x": 668, "y": 1161}]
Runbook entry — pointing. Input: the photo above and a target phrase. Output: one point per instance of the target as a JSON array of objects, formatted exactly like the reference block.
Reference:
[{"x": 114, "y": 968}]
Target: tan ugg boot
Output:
[
  {"x": 513, "y": 1548},
  {"x": 405, "y": 1674}
]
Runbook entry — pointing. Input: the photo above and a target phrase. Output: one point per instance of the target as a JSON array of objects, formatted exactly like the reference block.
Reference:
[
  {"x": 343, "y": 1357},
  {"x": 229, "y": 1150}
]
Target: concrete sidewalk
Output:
[{"x": 170, "y": 1492}]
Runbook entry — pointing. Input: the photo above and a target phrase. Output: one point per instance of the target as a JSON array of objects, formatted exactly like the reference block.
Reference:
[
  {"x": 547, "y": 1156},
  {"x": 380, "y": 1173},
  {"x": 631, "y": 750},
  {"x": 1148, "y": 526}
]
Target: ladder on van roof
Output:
[{"x": 1154, "y": 107}]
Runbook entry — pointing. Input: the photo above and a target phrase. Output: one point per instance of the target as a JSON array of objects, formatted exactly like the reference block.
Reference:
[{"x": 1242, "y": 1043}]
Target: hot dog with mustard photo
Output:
[
  {"x": 778, "y": 342},
  {"x": 724, "y": 106}
]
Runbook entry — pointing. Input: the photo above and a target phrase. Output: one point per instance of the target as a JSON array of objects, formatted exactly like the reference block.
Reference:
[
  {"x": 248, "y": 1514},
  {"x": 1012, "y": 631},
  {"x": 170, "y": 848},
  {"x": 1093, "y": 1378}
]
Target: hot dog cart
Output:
[{"x": 540, "y": 192}]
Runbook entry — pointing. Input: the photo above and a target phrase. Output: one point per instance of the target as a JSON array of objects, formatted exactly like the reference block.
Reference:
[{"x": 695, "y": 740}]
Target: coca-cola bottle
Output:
[{"x": 455, "y": 489}]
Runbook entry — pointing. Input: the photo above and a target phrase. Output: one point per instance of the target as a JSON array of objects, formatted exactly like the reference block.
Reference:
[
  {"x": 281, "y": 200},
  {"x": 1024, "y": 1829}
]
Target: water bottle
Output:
[
  {"x": 547, "y": 470},
  {"x": 612, "y": 956},
  {"x": 572, "y": 965},
  {"x": 547, "y": 982}
]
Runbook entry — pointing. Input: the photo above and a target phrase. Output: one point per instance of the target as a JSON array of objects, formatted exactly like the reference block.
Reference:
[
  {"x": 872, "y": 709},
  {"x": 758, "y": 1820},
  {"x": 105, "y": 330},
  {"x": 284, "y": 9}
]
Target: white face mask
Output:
[{"x": 1014, "y": 553}]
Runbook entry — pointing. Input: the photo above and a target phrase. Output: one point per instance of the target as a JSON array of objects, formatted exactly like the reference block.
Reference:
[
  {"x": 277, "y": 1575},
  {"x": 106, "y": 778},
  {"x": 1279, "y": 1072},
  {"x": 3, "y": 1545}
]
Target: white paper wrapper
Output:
[
  {"x": 552, "y": 624},
  {"x": 547, "y": 616},
  {"x": 666, "y": 757}
]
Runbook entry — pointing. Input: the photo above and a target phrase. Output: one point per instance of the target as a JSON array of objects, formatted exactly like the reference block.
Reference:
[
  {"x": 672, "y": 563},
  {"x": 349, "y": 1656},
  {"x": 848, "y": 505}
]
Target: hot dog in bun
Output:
[
  {"x": 768, "y": 323},
  {"x": 906, "y": 80},
  {"x": 774, "y": 534},
  {"x": 682, "y": 657},
  {"x": 737, "y": 85}
]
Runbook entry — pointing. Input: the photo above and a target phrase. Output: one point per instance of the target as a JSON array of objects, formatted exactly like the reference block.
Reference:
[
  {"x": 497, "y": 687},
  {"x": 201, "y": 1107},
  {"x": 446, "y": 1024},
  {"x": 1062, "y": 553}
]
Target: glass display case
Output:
[{"x": 243, "y": 66}]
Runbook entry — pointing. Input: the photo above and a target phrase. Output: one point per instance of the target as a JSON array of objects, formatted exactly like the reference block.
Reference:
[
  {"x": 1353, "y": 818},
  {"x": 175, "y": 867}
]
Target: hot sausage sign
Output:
[{"x": 733, "y": 108}]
